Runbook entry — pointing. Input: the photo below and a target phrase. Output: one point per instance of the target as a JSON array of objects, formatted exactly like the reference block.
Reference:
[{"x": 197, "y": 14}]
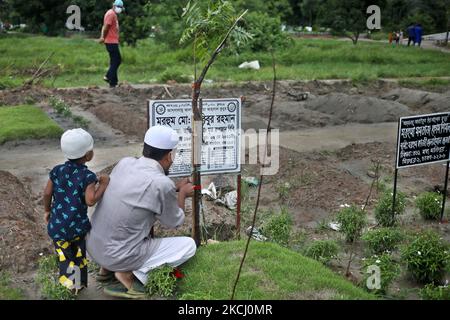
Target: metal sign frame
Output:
[
  {"x": 397, "y": 158},
  {"x": 151, "y": 115}
]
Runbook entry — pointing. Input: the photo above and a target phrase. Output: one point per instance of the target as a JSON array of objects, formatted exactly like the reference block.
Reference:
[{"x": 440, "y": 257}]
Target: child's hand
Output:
[
  {"x": 47, "y": 216},
  {"x": 103, "y": 180}
]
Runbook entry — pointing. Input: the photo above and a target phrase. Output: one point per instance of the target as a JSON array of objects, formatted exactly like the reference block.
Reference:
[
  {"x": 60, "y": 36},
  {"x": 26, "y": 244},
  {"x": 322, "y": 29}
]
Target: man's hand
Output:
[
  {"x": 181, "y": 183},
  {"x": 47, "y": 216},
  {"x": 101, "y": 40},
  {"x": 187, "y": 190},
  {"x": 103, "y": 179}
]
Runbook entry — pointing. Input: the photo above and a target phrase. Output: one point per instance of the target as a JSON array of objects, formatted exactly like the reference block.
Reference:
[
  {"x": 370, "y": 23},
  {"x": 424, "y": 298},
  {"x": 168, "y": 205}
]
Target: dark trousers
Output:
[
  {"x": 72, "y": 262},
  {"x": 411, "y": 39},
  {"x": 115, "y": 59}
]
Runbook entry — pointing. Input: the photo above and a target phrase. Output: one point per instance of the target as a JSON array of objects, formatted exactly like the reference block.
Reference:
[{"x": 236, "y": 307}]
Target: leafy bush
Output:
[
  {"x": 352, "y": 220},
  {"x": 431, "y": 292},
  {"x": 429, "y": 205},
  {"x": 279, "y": 227},
  {"x": 47, "y": 278},
  {"x": 161, "y": 281},
  {"x": 383, "y": 239},
  {"x": 322, "y": 251},
  {"x": 383, "y": 210},
  {"x": 389, "y": 270},
  {"x": 427, "y": 257}
]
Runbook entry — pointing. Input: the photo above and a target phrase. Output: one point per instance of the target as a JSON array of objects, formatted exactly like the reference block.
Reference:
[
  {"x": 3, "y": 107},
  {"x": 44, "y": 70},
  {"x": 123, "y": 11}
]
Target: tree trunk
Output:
[{"x": 355, "y": 38}]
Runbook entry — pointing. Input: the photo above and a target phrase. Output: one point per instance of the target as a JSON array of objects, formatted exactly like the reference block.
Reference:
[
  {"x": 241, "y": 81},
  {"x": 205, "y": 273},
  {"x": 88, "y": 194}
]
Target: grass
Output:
[
  {"x": 270, "y": 272},
  {"x": 26, "y": 122},
  {"x": 6, "y": 291},
  {"x": 82, "y": 62}
]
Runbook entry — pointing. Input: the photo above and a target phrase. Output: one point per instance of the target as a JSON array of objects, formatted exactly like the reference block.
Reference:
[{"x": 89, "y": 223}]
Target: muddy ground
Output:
[{"x": 329, "y": 145}]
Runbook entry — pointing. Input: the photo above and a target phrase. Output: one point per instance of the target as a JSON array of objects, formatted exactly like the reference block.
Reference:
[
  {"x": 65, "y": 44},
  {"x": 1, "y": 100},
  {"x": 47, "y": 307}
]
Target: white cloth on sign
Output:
[
  {"x": 172, "y": 251},
  {"x": 161, "y": 137}
]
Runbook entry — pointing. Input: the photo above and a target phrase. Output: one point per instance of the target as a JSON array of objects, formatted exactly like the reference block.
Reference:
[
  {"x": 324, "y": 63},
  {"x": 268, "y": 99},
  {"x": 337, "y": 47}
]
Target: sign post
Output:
[
  {"x": 422, "y": 140},
  {"x": 445, "y": 191}
]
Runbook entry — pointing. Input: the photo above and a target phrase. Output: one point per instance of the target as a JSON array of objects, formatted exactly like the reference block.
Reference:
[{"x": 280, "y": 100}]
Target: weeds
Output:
[
  {"x": 47, "y": 279},
  {"x": 279, "y": 227},
  {"x": 62, "y": 108},
  {"x": 6, "y": 291},
  {"x": 161, "y": 281}
]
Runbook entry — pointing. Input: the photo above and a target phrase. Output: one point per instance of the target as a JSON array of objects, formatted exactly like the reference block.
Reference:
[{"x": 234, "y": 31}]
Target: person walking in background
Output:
[
  {"x": 397, "y": 37},
  {"x": 390, "y": 37},
  {"x": 411, "y": 35},
  {"x": 418, "y": 30},
  {"x": 401, "y": 38},
  {"x": 110, "y": 37}
]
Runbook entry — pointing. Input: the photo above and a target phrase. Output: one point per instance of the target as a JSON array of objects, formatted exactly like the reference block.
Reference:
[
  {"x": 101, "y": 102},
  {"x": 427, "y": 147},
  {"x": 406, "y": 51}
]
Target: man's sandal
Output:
[
  {"x": 120, "y": 291},
  {"x": 107, "y": 277}
]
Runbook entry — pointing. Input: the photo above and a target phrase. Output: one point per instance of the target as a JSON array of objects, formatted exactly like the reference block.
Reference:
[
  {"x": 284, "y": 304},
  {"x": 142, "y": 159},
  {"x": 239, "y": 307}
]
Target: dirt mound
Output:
[
  {"x": 23, "y": 95},
  {"x": 361, "y": 109},
  {"x": 440, "y": 104},
  {"x": 22, "y": 231},
  {"x": 412, "y": 98}
]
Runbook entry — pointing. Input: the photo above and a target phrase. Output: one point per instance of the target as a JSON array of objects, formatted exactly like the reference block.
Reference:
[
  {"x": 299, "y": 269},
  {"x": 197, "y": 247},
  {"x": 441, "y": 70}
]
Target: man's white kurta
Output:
[{"x": 139, "y": 193}]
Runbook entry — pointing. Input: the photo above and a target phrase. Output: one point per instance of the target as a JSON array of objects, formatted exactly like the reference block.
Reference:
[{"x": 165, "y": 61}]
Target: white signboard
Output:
[{"x": 221, "y": 133}]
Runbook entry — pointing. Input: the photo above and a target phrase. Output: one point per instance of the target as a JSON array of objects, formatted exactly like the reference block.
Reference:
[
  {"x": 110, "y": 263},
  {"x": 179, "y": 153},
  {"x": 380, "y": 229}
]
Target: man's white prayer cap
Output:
[
  {"x": 161, "y": 137},
  {"x": 76, "y": 143}
]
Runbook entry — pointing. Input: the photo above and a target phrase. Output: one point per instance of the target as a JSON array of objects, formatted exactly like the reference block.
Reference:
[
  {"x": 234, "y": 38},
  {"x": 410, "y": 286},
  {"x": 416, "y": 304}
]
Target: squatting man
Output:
[{"x": 138, "y": 194}]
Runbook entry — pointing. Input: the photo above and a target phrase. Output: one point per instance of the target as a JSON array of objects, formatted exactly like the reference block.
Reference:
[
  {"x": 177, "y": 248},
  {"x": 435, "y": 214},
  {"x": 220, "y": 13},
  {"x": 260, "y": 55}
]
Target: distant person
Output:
[
  {"x": 411, "y": 35},
  {"x": 418, "y": 30},
  {"x": 397, "y": 38},
  {"x": 71, "y": 188},
  {"x": 390, "y": 37},
  {"x": 110, "y": 37},
  {"x": 401, "y": 38}
]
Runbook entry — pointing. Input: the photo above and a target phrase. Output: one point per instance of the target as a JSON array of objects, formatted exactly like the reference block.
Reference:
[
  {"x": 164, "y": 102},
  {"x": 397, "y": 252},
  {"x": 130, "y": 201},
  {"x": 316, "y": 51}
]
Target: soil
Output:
[{"x": 329, "y": 145}]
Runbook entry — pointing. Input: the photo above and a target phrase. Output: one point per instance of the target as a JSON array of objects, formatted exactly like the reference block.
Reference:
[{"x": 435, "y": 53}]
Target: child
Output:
[{"x": 72, "y": 188}]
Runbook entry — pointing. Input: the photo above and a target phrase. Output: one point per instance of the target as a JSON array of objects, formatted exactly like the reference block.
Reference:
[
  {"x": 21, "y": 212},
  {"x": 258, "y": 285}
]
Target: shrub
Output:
[
  {"x": 383, "y": 239},
  {"x": 47, "y": 278},
  {"x": 383, "y": 210},
  {"x": 322, "y": 251},
  {"x": 389, "y": 270},
  {"x": 161, "y": 281},
  {"x": 431, "y": 292},
  {"x": 429, "y": 205},
  {"x": 426, "y": 257},
  {"x": 352, "y": 220},
  {"x": 279, "y": 227}
]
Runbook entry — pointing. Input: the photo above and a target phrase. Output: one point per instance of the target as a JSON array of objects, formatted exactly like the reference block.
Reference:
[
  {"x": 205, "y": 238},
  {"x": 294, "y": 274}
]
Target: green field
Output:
[
  {"x": 82, "y": 62},
  {"x": 270, "y": 272},
  {"x": 26, "y": 122}
]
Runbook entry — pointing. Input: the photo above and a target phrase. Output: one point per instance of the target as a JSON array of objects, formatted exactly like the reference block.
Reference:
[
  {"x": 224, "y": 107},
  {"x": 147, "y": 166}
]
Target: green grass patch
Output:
[
  {"x": 151, "y": 62},
  {"x": 270, "y": 272},
  {"x": 26, "y": 122},
  {"x": 6, "y": 291}
]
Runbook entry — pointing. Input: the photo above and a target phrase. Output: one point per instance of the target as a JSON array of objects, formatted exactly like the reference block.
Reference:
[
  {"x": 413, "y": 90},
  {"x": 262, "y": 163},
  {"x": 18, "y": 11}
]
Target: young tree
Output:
[
  {"x": 348, "y": 17},
  {"x": 209, "y": 26}
]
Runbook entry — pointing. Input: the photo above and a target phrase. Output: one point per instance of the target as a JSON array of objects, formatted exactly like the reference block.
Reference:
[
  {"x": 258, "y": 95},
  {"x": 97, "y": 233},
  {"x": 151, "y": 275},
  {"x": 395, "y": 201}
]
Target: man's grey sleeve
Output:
[{"x": 171, "y": 214}]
